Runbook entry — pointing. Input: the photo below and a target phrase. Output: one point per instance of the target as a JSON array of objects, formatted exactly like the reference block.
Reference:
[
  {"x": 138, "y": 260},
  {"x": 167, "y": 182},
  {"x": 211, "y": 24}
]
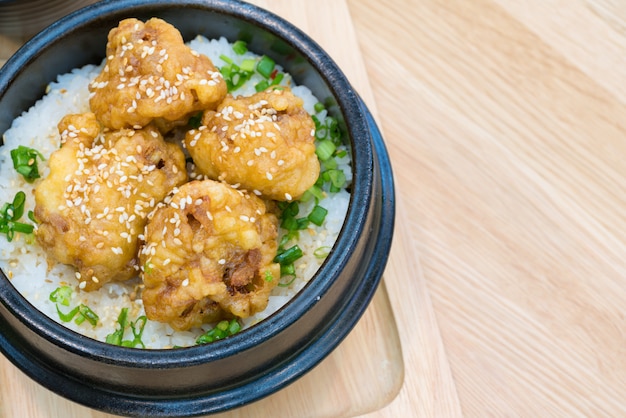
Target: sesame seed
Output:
[{"x": 221, "y": 261}]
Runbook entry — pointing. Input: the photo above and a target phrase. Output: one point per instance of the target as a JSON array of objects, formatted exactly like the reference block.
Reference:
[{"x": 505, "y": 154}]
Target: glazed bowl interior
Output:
[{"x": 267, "y": 356}]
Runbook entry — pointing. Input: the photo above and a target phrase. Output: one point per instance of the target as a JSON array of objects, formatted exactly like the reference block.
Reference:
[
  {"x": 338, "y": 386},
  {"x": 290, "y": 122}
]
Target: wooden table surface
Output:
[{"x": 504, "y": 296}]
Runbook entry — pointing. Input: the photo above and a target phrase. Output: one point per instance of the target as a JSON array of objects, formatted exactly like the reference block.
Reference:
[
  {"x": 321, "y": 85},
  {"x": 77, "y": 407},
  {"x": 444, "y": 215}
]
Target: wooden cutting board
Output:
[{"x": 376, "y": 370}]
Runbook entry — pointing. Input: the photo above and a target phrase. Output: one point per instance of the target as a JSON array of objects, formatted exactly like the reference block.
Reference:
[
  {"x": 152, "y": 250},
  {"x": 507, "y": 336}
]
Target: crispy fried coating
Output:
[
  {"x": 264, "y": 142},
  {"x": 151, "y": 75},
  {"x": 208, "y": 255},
  {"x": 101, "y": 188}
]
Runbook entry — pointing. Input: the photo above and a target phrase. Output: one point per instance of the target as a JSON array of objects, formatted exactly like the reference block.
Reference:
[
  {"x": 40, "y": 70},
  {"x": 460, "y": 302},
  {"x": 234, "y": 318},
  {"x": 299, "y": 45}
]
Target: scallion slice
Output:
[
  {"x": 317, "y": 215},
  {"x": 25, "y": 162},
  {"x": 278, "y": 78},
  {"x": 288, "y": 256},
  {"x": 322, "y": 252},
  {"x": 137, "y": 328},
  {"x": 80, "y": 313},
  {"x": 222, "y": 330},
  {"x": 265, "y": 66},
  {"x": 61, "y": 295},
  {"x": 325, "y": 149},
  {"x": 261, "y": 86},
  {"x": 240, "y": 47},
  {"x": 10, "y": 213},
  {"x": 247, "y": 65}
]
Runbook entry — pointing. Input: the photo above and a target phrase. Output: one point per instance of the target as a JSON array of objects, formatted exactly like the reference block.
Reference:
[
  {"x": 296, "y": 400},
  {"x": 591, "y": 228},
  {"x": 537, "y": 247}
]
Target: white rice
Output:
[{"x": 25, "y": 263}]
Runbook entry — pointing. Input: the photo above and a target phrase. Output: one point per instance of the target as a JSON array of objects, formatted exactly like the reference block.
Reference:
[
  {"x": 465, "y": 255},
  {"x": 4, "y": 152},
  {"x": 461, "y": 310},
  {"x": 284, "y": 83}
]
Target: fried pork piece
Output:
[
  {"x": 264, "y": 142},
  {"x": 208, "y": 255},
  {"x": 151, "y": 75},
  {"x": 101, "y": 188}
]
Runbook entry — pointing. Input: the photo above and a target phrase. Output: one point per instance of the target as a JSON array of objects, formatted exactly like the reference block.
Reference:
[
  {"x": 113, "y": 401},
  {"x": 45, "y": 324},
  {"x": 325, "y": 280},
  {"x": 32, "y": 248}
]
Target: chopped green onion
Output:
[
  {"x": 330, "y": 163},
  {"x": 268, "y": 276},
  {"x": 288, "y": 270},
  {"x": 116, "y": 337},
  {"x": 19, "y": 227},
  {"x": 222, "y": 330},
  {"x": 290, "y": 209},
  {"x": 314, "y": 191},
  {"x": 319, "y": 107},
  {"x": 137, "y": 328},
  {"x": 67, "y": 317},
  {"x": 226, "y": 59},
  {"x": 322, "y": 252},
  {"x": 240, "y": 47},
  {"x": 85, "y": 313},
  {"x": 265, "y": 66},
  {"x": 302, "y": 223},
  {"x": 317, "y": 121},
  {"x": 25, "y": 162},
  {"x": 317, "y": 215},
  {"x": 233, "y": 327},
  {"x": 278, "y": 78},
  {"x": 293, "y": 278},
  {"x": 288, "y": 256},
  {"x": 284, "y": 240},
  {"x": 334, "y": 130},
  {"x": 147, "y": 267},
  {"x": 10, "y": 213},
  {"x": 18, "y": 204},
  {"x": 195, "y": 121},
  {"x": 82, "y": 313},
  {"x": 337, "y": 178},
  {"x": 325, "y": 149},
  {"x": 321, "y": 132},
  {"x": 235, "y": 76},
  {"x": 289, "y": 223},
  {"x": 247, "y": 65},
  {"x": 61, "y": 295},
  {"x": 261, "y": 86}
]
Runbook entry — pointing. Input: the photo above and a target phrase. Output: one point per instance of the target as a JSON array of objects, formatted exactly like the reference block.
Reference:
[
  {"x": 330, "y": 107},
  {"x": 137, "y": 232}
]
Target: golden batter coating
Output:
[
  {"x": 151, "y": 75},
  {"x": 264, "y": 142},
  {"x": 101, "y": 188},
  {"x": 208, "y": 255}
]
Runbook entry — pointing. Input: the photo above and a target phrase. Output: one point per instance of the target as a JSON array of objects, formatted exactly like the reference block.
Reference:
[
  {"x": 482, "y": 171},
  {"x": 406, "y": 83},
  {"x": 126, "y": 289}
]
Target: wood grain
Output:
[{"x": 506, "y": 127}]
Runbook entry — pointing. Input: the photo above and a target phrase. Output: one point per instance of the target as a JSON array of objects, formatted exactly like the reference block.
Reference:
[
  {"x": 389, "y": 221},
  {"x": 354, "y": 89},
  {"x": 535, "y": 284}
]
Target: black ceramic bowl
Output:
[{"x": 266, "y": 357}]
